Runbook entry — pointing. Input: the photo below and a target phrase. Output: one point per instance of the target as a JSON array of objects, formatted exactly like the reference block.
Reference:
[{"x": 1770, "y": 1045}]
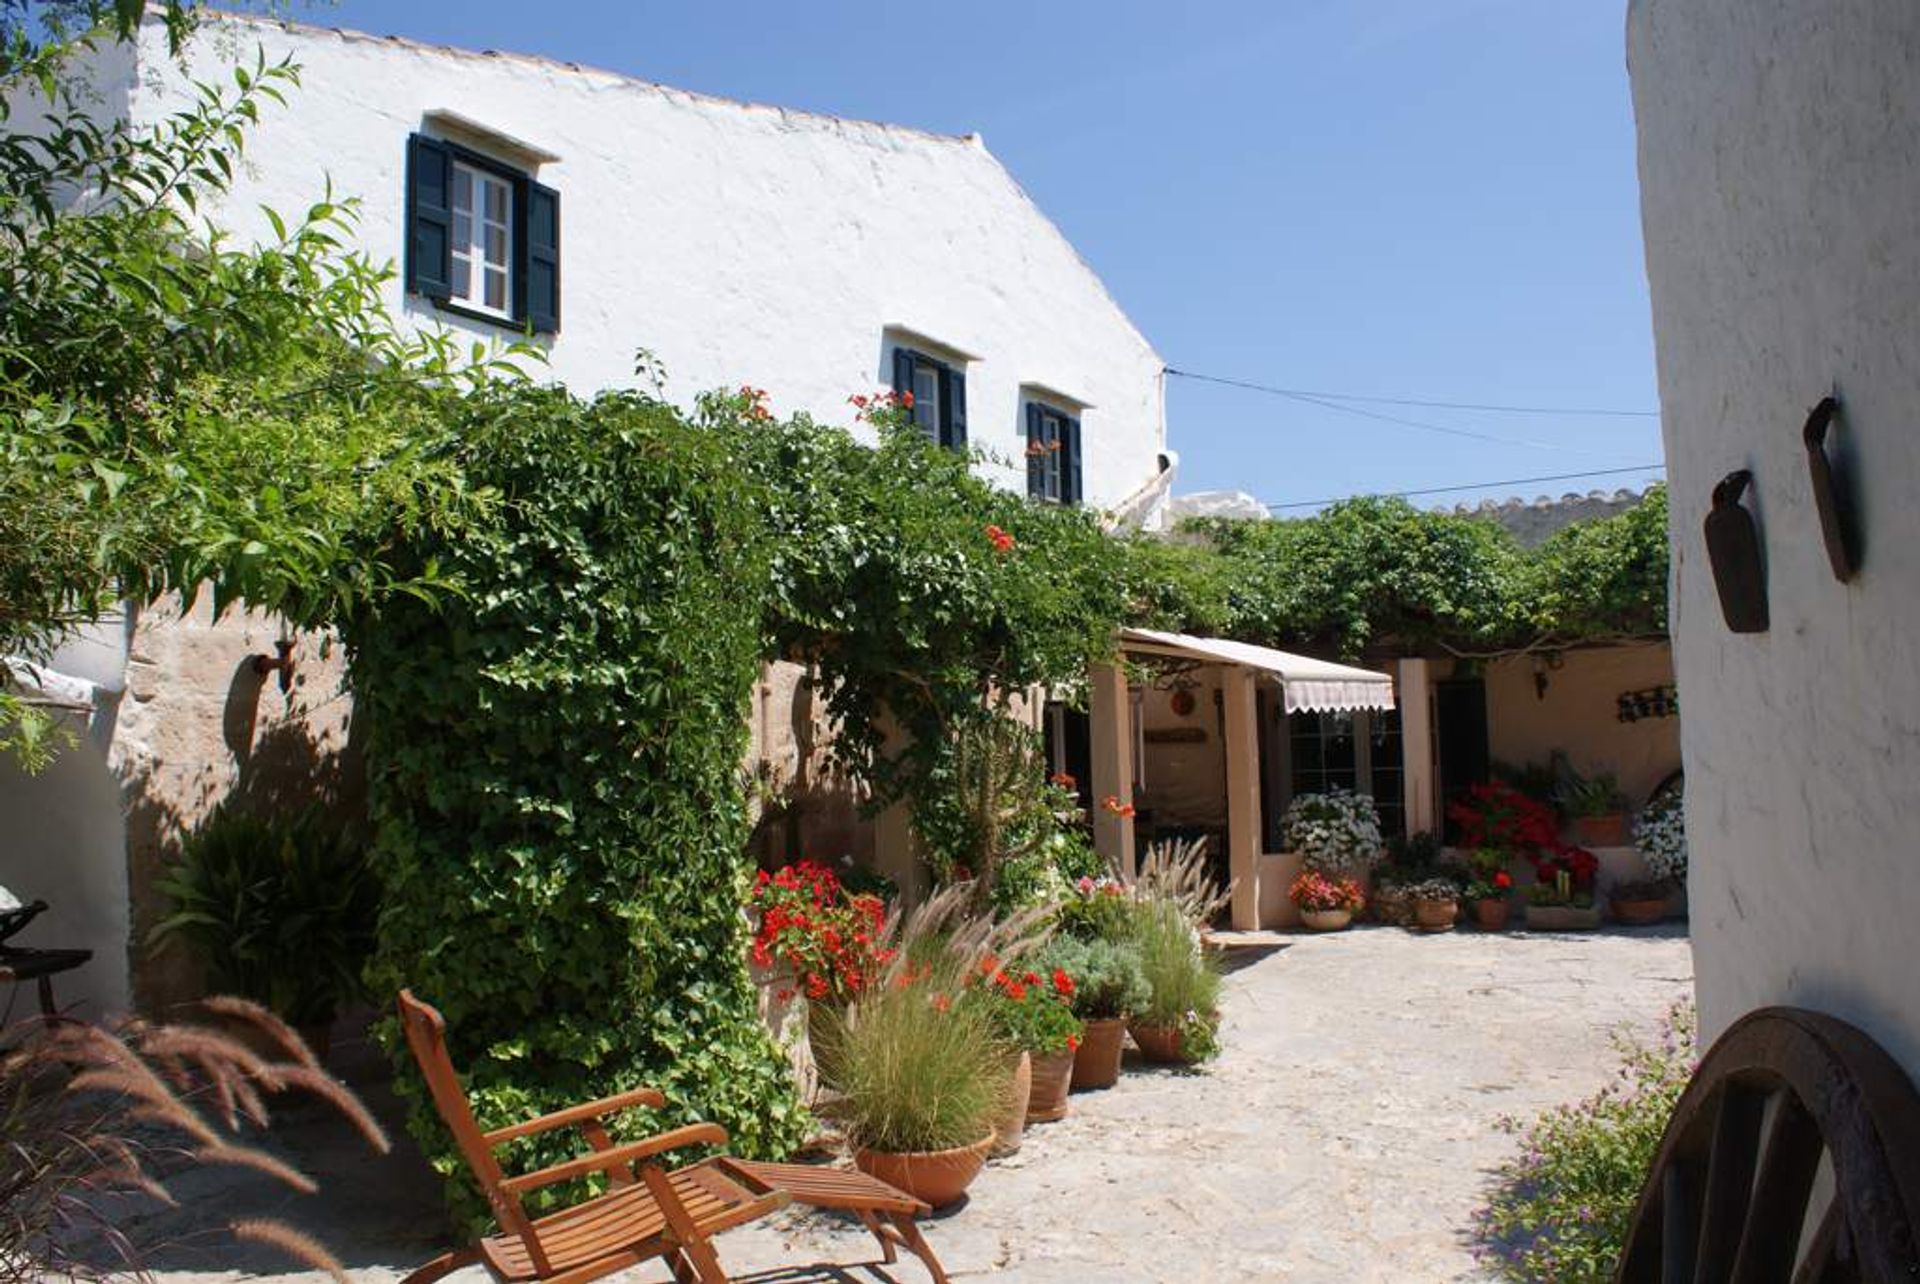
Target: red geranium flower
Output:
[{"x": 1062, "y": 983}]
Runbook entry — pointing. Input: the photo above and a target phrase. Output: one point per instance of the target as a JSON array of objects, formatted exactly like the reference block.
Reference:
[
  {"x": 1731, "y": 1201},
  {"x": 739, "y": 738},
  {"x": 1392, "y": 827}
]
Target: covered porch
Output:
[{"x": 1198, "y": 730}]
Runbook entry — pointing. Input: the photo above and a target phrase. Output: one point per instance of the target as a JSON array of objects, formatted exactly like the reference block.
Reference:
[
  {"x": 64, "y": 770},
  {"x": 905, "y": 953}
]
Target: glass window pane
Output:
[
  {"x": 496, "y": 244},
  {"x": 462, "y": 279},
  {"x": 497, "y": 201},
  {"x": 462, "y": 229},
  {"x": 462, "y": 190},
  {"x": 926, "y": 396},
  {"x": 496, "y": 288}
]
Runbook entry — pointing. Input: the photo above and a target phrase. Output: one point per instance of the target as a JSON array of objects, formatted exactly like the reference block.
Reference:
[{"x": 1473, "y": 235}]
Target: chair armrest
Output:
[
  {"x": 618, "y": 1157},
  {"x": 576, "y": 1114}
]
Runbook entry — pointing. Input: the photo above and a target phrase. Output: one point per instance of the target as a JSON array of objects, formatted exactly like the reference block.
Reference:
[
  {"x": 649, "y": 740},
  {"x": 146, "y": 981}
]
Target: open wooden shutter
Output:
[
  {"x": 1036, "y": 461},
  {"x": 429, "y": 218},
  {"x": 953, "y": 431},
  {"x": 541, "y": 269},
  {"x": 1070, "y": 491},
  {"x": 902, "y": 371}
]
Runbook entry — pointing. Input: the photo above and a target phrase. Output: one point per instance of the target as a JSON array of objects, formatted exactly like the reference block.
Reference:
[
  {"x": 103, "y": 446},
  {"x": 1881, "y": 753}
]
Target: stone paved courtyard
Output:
[{"x": 1345, "y": 1135}]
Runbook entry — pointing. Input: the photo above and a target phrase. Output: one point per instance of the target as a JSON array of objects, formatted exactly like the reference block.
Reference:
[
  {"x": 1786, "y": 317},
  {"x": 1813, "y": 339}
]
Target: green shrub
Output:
[
  {"x": 1561, "y": 1209},
  {"x": 1183, "y": 985},
  {"x": 553, "y": 761},
  {"x": 278, "y": 910},
  {"x": 1107, "y": 978}
]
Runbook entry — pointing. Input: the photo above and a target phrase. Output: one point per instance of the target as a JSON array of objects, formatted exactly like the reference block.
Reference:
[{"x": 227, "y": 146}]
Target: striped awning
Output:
[{"x": 1309, "y": 685}]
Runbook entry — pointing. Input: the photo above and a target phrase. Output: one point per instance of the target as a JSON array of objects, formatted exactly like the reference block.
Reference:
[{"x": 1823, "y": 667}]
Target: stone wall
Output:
[{"x": 1780, "y": 175}]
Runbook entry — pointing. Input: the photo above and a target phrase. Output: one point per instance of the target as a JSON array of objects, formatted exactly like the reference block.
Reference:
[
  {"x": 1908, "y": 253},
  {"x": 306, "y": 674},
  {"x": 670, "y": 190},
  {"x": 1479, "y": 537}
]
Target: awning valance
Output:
[{"x": 1309, "y": 685}]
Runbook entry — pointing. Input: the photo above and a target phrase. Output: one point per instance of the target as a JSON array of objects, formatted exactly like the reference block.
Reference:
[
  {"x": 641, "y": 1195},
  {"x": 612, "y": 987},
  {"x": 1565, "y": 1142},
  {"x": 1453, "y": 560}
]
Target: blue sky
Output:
[{"x": 1429, "y": 199}]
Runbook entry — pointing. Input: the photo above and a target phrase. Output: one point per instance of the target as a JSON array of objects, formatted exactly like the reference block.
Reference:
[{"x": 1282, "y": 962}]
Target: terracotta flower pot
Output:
[
  {"x": 1491, "y": 913},
  {"x": 1160, "y": 1044},
  {"x": 1325, "y": 920},
  {"x": 1097, "y": 1063},
  {"x": 1562, "y": 918},
  {"x": 1051, "y": 1077},
  {"x": 1639, "y": 913},
  {"x": 1609, "y": 830},
  {"x": 1391, "y": 905},
  {"x": 939, "y": 1177},
  {"x": 1435, "y": 916},
  {"x": 1011, "y": 1123}
]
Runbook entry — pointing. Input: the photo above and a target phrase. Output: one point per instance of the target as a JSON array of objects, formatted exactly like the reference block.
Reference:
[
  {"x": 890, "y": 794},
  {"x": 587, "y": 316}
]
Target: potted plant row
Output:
[{"x": 943, "y": 1031}]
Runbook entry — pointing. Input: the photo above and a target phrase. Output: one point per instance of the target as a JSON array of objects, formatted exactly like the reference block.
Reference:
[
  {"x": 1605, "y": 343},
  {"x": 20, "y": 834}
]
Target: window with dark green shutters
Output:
[
  {"x": 483, "y": 238},
  {"x": 939, "y": 393},
  {"x": 1053, "y": 454}
]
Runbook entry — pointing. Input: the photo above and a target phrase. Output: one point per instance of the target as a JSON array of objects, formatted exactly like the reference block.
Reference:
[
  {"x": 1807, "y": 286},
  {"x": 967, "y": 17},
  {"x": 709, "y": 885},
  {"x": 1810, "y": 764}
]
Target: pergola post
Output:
[
  {"x": 1242, "y": 733},
  {"x": 1110, "y": 717},
  {"x": 1415, "y": 685}
]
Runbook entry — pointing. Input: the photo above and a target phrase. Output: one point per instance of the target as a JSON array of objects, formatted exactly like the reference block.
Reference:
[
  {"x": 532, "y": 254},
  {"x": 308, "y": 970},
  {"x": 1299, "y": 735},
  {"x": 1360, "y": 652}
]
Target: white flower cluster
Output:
[
  {"x": 1661, "y": 837},
  {"x": 1335, "y": 833}
]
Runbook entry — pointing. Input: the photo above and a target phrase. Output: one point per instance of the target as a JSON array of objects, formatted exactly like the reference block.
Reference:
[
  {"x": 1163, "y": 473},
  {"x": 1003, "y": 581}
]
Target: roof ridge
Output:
[{"x": 970, "y": 139}]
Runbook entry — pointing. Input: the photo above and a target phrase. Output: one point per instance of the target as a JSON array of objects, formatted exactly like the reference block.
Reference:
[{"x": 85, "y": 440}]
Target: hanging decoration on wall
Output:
[
  {"x": 1182, "y": 702},
  {"x": 1654, "y": 702},
  {"x": 1733, "y": 548},
  {"x": 1832, "y": 492}
]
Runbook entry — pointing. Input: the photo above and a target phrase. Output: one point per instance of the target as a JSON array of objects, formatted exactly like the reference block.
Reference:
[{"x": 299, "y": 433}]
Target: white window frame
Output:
[{"x": 472, "y": 252}]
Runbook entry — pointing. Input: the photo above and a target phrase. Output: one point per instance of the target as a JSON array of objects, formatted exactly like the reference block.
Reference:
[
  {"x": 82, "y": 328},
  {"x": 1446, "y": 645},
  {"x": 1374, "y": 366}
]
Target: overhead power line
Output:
[
  {"x": 1489, "y": 485},
  {"x": 1414, "y": 401}
]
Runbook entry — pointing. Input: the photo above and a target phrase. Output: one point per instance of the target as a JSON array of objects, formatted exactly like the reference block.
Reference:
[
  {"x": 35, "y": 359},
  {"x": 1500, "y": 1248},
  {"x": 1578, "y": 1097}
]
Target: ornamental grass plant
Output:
[
  {"x": 917, "y": 1057},
  {"x": 1183, "y": 985},
  {"x": 96, "y": 1121}
]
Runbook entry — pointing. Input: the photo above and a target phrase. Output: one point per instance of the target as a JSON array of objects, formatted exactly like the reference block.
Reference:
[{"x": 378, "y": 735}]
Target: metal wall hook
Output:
[
  {"x": 283, "y": 663},
  {"x": 1733, "y": 549},
  {"x": 1832, "y": 494}
]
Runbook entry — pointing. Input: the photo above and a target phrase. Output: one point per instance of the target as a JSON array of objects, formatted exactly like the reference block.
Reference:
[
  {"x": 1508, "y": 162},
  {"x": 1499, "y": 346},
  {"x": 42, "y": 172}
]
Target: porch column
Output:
[
  {"x": 895, "y": 849},
  {"x": 1110, "y": 720},
  {"x": 1242, "y": 732},
  {"x": 1414, "y": 683}
]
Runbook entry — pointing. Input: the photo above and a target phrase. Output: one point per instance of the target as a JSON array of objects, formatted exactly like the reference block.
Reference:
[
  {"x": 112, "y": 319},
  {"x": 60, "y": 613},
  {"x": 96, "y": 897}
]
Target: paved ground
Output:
[{"x": 1344, "y": 1136}]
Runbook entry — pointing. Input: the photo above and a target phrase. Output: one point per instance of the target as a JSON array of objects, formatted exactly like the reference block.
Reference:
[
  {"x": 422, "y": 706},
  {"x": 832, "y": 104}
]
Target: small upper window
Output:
[
  {"x": 482, "y": 240},
  {"x": 939, "y": 395},
  {"x": 481, "y": 237},
  {"x": 1053, "y": 454}
]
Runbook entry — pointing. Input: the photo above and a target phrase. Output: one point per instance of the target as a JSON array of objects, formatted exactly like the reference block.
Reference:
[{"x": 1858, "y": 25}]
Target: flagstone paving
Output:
[{"x": 1345, "y": 1134}]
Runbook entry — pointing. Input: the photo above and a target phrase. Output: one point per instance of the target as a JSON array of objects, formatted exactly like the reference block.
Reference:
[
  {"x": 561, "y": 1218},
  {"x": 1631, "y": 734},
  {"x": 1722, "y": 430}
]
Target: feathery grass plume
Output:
[
  {"x": 1177, "y": 871},
  {"x": 77, "y": 1105},
  {"x": 266, "y": 1022},
  {"x": 295, "y": 1244}
]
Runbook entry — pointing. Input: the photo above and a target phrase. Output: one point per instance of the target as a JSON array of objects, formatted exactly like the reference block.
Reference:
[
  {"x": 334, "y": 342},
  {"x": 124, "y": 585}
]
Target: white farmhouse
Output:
[
  {"x": 804, "y": 254},
  {"x": 600, "y": 215}
]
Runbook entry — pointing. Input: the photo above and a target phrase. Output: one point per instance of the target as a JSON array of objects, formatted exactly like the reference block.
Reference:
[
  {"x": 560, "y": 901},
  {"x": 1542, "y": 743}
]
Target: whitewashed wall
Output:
[
  {"x": 739, "y": 243},
  {"x": 1780, "y": 173}
]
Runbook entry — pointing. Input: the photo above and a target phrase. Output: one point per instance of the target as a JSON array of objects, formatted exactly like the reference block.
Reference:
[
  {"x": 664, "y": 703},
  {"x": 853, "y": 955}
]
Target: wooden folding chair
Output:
[{"x": 649, "y": 1212}]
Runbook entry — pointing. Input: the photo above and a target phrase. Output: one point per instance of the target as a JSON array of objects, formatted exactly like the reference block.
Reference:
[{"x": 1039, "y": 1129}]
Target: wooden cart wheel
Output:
[{"x": 1733, "y": 1194}]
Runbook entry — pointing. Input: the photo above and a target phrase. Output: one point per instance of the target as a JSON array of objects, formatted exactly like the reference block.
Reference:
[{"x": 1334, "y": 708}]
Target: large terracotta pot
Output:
[
  {"x": 1639, "y": 913},
  {"x": 1011, "y": 1123},
  {"x": 1052, "y": 1075},
  {"x": 1609, "y": 830},
  {"x": 1491, "y": 912},
  {"x": 938, "y": 1177},
  {"x": 1325, "y": 920},
  {"x": 1435, "y": 916},
  {"x": 1097, "y": 1063}
]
